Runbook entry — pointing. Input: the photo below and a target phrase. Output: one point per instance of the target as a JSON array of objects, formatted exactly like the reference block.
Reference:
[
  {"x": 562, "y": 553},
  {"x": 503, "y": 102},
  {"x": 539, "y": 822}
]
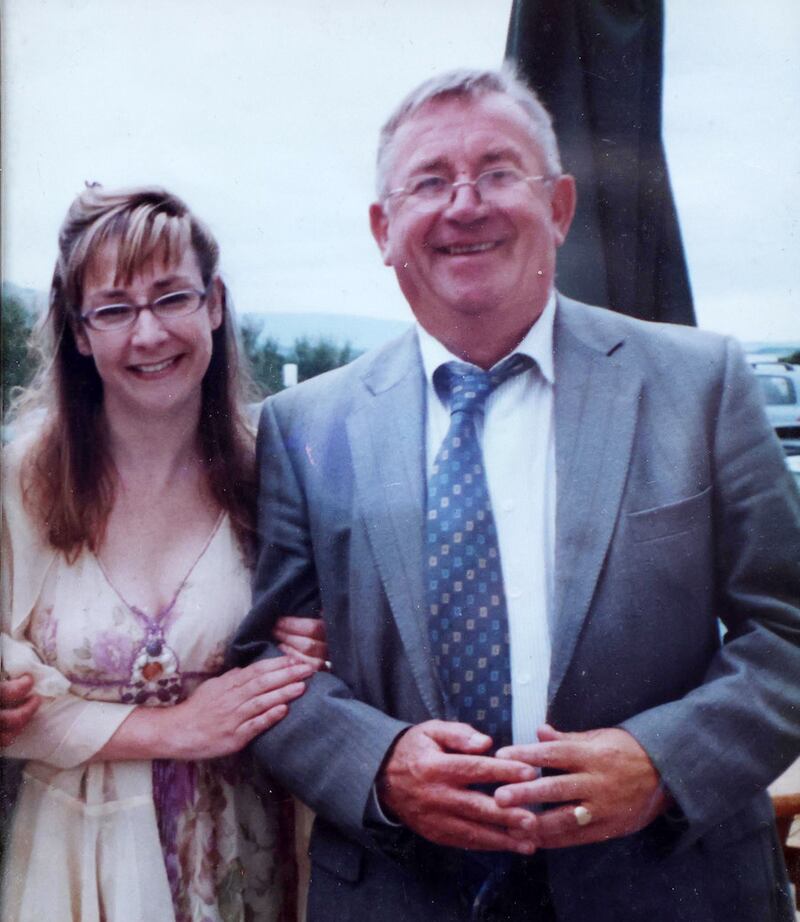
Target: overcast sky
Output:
[{"x": 263, "y": 115}]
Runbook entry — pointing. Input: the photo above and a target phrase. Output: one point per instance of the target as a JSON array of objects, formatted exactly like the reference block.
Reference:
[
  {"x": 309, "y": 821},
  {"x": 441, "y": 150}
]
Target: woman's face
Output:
[{"x": 156, "y": 365}]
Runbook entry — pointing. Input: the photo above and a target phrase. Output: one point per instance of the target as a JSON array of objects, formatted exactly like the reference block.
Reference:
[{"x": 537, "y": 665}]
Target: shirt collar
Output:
[{"x": 537, "y": 343}]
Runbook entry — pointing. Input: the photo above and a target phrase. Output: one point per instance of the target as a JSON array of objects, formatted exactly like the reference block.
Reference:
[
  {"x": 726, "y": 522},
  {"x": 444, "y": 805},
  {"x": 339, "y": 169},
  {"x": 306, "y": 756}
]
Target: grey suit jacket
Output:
[{"x": 674, "y": 510}]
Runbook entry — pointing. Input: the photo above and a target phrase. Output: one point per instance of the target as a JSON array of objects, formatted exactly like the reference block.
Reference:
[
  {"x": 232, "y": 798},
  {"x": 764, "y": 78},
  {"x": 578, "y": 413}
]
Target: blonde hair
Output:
[{"x": 67, "y": 474}]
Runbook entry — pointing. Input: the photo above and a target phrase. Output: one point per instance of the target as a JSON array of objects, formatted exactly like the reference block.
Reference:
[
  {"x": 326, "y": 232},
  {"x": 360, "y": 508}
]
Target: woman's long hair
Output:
[{"x": 68, "y": 477}]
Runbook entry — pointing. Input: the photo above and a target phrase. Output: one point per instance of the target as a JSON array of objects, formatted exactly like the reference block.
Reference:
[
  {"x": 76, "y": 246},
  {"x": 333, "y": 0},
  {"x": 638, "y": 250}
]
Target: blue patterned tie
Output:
[{"x": 468, "y": 621}]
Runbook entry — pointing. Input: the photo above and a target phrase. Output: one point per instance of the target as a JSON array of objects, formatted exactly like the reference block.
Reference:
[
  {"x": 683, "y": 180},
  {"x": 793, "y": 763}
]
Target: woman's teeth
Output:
[{"x": 152, "y": 369}]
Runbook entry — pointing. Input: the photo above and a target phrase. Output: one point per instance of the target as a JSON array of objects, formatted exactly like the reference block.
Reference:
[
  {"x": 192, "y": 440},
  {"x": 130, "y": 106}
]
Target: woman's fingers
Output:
[
  {"x": 302, "y": 638},
  {"x": 301, "y": 644},
  {"x": 265, "y": 680},
  {"x": 13, "y": 692},
  {"x": 306, "y": 627},
  {"x": 250, "y": 729},
  {"x": 265, "y": 702},
  {"x": 314, "y": 661},
  {"x": 305, "y": 646}
]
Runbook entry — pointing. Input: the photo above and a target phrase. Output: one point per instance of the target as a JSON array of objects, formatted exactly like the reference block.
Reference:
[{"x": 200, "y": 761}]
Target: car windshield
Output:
[{"x": 777, "y": 390}]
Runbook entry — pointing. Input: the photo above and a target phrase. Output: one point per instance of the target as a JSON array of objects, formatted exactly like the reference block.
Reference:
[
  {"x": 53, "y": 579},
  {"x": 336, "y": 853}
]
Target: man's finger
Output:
[
  {"x": 13, "y": 692},
  {"x": 548, "y": 734},
  {"x": 460, "y": 833},
  {"x": 570, "y": 754},
  {"x": 558, "y": 828},
  {"x": 550, "y": 789},
  {"x": 481, "y": 808},
  {"x": 463, "y": 770},
  {"x": 456, "y": 737}
]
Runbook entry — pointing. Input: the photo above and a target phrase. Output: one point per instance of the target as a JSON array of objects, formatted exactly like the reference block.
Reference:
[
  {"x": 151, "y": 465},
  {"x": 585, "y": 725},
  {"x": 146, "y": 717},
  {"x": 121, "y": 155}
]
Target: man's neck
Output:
[{"x": 480, "y": 340}]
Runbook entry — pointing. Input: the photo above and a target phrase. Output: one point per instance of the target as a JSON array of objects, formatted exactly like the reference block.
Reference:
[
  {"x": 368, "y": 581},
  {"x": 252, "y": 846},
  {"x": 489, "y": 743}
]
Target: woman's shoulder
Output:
[
  {"x": 21, "y": 440},
  {"x": 21, "y": 526},
  {"x": 27, "y": 553}
]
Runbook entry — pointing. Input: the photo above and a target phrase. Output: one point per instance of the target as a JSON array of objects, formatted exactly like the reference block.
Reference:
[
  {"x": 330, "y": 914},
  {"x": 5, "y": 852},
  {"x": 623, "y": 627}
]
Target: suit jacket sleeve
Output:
[
  {"x": 330, "y": 747},
  {"x": 728, "y": 738}
]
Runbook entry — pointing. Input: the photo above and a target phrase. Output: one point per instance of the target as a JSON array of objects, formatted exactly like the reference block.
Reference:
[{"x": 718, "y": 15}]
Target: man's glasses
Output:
[
  {"x": 176, "y": 304},
  {"x": 431, "y": 191}
]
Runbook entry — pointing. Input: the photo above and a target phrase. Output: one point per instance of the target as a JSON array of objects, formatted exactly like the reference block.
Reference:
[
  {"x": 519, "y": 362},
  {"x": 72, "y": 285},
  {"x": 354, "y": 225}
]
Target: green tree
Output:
[
  {"x": 265, "y": 357},
  {"x": 18, "y": 367},
  {"x": 793, "y": 358},
  {"x": 314, "y": 356}
]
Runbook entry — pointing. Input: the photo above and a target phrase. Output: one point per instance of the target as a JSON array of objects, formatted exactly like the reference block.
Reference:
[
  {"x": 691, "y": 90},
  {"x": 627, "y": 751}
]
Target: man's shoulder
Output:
[
  {"x": 649, "y": 343},
  {"x": 342, "y": 386}
]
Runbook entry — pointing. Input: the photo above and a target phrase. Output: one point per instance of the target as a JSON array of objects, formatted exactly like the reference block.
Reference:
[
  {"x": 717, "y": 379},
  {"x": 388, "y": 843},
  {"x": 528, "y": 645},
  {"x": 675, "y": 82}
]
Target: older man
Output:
[{"x": 523, "y": 523}]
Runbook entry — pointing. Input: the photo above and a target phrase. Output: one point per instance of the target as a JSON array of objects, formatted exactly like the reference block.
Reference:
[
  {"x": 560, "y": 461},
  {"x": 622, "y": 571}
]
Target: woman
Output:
[{"x": 128, "y": 529}]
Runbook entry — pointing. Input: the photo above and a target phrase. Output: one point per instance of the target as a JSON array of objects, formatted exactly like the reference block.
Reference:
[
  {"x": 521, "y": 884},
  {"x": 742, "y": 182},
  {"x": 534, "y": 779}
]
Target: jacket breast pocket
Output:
[{"x": 674, "y": 518}]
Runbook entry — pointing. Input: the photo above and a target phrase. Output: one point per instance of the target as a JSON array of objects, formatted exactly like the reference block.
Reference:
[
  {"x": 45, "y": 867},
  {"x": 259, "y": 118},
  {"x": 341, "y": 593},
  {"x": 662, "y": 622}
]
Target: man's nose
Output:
[
  {"x": 147, "y": 329},
  {"x": 466, "y": 202}
]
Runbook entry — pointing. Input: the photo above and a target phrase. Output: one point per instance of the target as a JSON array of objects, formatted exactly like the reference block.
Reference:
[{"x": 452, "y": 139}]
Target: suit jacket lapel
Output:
[
  {"x": 595, "y": 416},
  {"x": 386, "y": 436}
]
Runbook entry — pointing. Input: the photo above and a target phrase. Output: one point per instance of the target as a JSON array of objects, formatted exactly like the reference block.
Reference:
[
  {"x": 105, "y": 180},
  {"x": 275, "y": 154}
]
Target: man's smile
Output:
[{"x": 468, "y": 249}]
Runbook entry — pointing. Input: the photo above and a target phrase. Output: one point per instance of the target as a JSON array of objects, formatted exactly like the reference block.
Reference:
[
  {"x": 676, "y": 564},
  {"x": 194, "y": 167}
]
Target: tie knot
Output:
[{"x": 469, "y": 387}]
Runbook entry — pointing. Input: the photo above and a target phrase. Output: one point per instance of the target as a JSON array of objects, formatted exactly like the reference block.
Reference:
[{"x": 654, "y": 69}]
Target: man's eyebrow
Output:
[
  {"x": 500, "y": 154},
  {"x": 435, "y": 165},
  {"x": 495, "y": 155}
]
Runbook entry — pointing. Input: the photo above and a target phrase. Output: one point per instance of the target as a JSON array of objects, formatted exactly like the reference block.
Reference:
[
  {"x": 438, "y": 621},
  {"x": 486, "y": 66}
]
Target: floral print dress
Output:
[{"x": 122, "y": 841}]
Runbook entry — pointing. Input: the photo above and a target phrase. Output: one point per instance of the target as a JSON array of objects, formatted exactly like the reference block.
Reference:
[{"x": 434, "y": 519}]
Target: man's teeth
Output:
[
  {"x": 470, "y": 248},
  {"x": 158, "y": 366}
]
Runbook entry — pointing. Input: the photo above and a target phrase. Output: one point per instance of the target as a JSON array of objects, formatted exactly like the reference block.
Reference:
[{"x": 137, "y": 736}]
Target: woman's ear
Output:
[{"x": 81, "y": 339}]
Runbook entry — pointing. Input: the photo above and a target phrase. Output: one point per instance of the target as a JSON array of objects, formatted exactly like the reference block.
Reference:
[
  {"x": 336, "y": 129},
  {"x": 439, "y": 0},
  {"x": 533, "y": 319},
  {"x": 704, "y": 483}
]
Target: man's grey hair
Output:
[{"x": 471, "y": 84}]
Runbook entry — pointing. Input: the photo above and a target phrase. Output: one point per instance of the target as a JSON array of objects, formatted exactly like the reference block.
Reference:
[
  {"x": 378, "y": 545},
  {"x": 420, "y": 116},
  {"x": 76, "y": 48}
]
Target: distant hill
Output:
[
  {"x": 361, "y": 332},
  {"x": 770, "y": 352},
  {"x": 32, "y": 300}
]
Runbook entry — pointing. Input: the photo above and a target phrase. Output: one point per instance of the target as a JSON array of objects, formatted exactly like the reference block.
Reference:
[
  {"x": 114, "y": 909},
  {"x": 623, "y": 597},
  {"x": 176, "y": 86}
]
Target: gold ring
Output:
[{"x": 583, "y": 815}]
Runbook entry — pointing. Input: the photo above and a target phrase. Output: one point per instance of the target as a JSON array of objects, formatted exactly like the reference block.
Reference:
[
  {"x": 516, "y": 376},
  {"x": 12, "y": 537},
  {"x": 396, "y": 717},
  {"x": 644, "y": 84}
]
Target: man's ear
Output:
[
  {"x": 216, "y": 302},
  {"x": 379, "y": 223},
  {"x": 562, "y": 204}
]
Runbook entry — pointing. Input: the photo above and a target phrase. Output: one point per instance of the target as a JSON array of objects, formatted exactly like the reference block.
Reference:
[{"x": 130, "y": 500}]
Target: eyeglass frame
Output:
[
  {"x": 87, "y": 318},
  {"x": 453, "y": 186}
]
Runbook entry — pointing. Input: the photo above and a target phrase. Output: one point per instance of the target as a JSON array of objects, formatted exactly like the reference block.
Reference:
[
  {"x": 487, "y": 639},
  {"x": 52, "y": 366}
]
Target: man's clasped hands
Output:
[{"x": 427, "y": 784}]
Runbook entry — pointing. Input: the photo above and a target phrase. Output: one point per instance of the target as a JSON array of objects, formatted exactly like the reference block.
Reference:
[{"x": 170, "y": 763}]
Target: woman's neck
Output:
[{"x": 151, "y": 454}]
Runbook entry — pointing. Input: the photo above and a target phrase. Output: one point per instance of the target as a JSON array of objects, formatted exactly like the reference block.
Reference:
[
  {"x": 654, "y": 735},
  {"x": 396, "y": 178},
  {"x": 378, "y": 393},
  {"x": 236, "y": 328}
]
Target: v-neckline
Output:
[{"x": 166, "y": 609}]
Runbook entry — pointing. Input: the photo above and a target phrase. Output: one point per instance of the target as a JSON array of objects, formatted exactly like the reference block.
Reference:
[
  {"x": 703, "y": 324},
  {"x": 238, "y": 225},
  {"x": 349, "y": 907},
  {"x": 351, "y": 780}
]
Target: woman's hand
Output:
[
  {"x": 302, "y": 639},
  {"x": 220, "y": 718},
  {"x": 225, "y": 713},
  {"x": 17, "y": 706}
]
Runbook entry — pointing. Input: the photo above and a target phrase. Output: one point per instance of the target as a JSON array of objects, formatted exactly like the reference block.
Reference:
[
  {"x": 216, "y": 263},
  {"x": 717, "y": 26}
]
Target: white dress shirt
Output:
[{"x": 518, "y": 442}]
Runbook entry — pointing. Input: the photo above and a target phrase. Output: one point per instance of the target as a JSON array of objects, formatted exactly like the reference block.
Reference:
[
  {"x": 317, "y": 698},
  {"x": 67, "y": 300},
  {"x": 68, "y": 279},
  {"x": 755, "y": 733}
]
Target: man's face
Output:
[{"x": 470, "y": 257}]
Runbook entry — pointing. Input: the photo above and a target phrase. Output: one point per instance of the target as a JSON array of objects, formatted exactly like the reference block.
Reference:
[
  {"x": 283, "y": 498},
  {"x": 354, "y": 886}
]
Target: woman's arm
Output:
[{"x": 220, "y": 718}]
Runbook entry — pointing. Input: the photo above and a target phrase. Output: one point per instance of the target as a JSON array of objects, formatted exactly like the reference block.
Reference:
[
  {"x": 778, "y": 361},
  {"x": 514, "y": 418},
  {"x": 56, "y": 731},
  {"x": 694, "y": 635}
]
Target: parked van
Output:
[{"x": 780, "y": 385}]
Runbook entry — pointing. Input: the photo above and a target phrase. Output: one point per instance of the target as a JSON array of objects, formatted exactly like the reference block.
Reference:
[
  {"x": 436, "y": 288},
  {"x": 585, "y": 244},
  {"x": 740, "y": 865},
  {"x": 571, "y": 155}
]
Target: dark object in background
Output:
[{"x": 597, "y": 65}]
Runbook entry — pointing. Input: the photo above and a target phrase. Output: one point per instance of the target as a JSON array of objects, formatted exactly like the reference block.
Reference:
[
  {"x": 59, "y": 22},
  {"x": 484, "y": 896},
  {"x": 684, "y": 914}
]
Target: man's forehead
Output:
[{"x": 489, "y": 128}]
